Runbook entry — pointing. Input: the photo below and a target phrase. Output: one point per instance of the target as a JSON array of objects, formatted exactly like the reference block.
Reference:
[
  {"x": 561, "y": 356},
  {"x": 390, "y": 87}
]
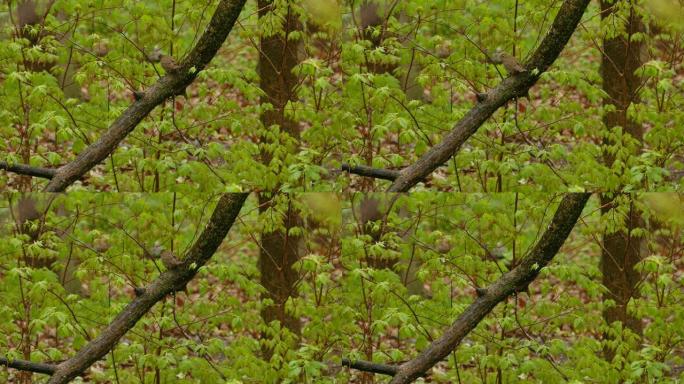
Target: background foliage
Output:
[
  {"x": 447, "y": 244},
  {"x": 377, "y": 97}
]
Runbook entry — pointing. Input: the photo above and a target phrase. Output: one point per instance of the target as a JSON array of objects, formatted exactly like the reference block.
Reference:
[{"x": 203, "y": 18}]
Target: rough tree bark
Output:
[
  {"x": 620, "y": 58},
  {"x": 278, "y": 55}
]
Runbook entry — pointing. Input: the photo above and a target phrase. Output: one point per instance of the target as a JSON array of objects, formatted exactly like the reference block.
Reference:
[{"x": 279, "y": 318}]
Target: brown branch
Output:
[
  {"x": 30, "y": 366},
  {"x": 518, "y": 85},
  {"x": 366, "y": 366},
  {"x": 516, "y": 280},
  {"x": 28, "y": 170},
  {"x": 170, "y": 85},
  {"x": 362, "y": 170},
  {"x": 168, "y": 282}
]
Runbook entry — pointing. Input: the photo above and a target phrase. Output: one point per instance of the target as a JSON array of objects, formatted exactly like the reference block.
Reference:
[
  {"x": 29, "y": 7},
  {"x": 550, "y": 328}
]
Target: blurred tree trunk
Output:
[
  {"x": 621, "y": 250},
  {"x": 278, "y": 55},
  {"x": 279, "y": 251},
  {"x": 32, "y": 14},
  {"x": 372, "y": 15}
]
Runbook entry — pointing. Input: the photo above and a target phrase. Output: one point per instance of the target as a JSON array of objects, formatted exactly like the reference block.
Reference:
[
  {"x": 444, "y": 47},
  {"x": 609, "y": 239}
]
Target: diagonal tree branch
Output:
[
  {"x": 518, "y": 85},
  {"x": 30, "y": 366},
  {"x": 170, "y": 85},
  {"x": 516, "y": 280},
  {"x": 46, "y": 173},
  {"x": 172, "y": 280}
]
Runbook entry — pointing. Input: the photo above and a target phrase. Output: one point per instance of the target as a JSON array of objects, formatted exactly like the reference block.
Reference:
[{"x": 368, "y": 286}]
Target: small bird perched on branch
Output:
[
  {"x": 512, "y": 65},
  {"x": 172, "y": 68},
  {"x": 167, "y": 257},
  {"x": 169, "y": 64},
  {"x": 155, "y": 55},
  {"x": 170, "y": 260}
]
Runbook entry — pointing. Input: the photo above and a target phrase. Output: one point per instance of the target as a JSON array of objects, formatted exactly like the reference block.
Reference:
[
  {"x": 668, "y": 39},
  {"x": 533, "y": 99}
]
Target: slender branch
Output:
[
  {"x": 516, "y": 280},
  {"x": 170, "y": 85},
  {"x": 28, "y": 170},
  {"x": 518, "y": 85},
  {"x": 170, "y": 281},
  {"x": 24, "y": 365},
  {"x": 362, "y": 170},
  {"x": 366, "y": 366}
]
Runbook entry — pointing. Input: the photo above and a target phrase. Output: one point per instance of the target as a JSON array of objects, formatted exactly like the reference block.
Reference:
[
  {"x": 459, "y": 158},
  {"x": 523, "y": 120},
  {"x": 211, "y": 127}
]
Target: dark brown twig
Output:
[
  {"x": 366, "y": 366},
  {"x": 362, "y": 170},
  {"x": 21, "y": 169},
  {"x": 24, "y": 365}
]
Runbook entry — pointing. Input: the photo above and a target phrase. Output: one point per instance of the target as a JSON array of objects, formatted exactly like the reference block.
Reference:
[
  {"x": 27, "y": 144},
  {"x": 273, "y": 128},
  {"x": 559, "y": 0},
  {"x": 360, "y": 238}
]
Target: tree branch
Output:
[
  {"x": 362, "y": 170},
  {"x": 168, "y": 282},
  {"x": 171, "y": 84},
  {"x": 28, "y": 170},
  {"x": 518, "y": 85},
  {"x": 516, "y": 280},
  {"x": 24, "y": 365},
  {"x": 366, "y": 366}
]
